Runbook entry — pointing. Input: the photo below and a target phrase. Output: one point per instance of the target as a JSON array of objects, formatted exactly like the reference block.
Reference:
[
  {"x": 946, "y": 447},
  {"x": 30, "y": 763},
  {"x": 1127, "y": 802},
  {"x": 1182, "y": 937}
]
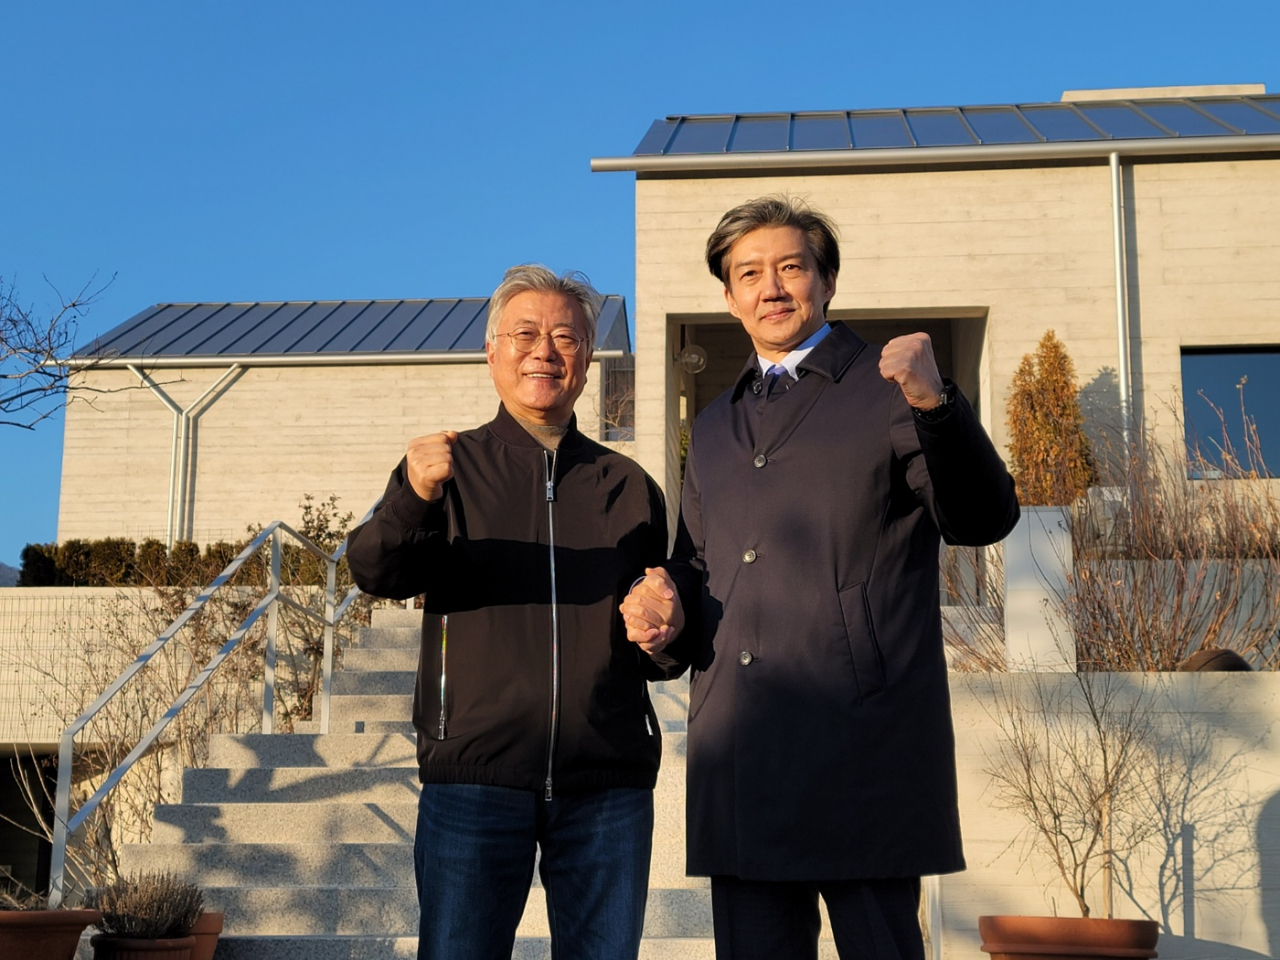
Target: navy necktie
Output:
[{"x": 779, "y": 381}]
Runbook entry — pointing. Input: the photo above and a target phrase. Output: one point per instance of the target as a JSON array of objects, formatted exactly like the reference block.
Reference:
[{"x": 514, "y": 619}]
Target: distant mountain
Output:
[{"x": 8, "y": 576}]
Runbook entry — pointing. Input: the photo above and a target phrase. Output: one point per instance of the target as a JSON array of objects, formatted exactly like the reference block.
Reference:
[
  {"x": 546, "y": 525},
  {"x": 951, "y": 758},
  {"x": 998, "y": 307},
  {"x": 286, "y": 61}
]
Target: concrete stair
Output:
[{"x": 306, "y": 840}]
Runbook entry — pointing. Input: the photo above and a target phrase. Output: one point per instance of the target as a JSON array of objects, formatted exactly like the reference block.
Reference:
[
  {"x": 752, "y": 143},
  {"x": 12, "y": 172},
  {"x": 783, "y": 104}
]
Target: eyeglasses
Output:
[{"x": 566, "y": 344}]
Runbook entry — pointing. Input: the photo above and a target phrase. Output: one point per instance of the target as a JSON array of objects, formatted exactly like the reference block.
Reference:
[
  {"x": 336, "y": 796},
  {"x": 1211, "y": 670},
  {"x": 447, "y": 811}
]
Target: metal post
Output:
[
  {"x": 1122, "y": 301},
  {"x": 933, "y": 910},
  {"x": 273, "y": 622},
  {"x": 61, "y": 814},
  {"x": 326, "y": 680}
]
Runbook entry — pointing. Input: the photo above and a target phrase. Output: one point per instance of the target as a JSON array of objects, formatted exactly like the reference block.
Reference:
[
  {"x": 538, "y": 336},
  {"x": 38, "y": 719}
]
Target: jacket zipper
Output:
[
  {"x": 549, "y": 461},
  {"x": 444, "y": 641}
]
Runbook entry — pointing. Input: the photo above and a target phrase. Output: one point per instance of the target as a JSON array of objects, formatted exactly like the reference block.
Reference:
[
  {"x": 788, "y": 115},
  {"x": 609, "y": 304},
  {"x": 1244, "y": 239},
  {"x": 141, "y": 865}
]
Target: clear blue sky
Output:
[{"x": 267, "y": 151}]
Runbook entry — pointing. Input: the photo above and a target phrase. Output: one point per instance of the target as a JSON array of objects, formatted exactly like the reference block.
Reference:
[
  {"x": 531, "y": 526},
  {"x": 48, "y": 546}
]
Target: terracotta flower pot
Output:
[
  {"x": 106, "y": 947},
  {"x": 54, "y": 934},
  {"x": 1067, "y": 938},
  {"x": 206, "y": 933}
]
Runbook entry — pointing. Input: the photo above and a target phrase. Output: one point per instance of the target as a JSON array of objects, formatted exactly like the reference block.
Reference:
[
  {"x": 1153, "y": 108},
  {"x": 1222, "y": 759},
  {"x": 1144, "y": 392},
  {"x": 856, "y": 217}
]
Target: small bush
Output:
[
  {"x": 39, "y": 565},
  {"x": 75, "y": 563},
  {"x": 151, "y": 567},
  {"x": 1049, "y": 454},
  {"x": 111, "y": 561},
  {"x": 184, "y": 562},
  {"x": 147, "y": 906}
]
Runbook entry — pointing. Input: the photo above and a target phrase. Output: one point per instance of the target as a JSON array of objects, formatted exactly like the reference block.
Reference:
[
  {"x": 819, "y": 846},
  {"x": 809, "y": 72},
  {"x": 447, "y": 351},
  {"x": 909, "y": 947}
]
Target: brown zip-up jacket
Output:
[{"x": 525, "y": 677}]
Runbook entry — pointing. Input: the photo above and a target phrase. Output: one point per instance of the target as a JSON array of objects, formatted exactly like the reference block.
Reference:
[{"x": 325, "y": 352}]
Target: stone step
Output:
[
  {"x": 247, "y": 865},
  {"x": 395, "y": 617},
  {"x": 373, "y": 682},
  {"x": 406, "y": 948},
  {"x": 404, "y": 727},
  {"x": 360, "y": 659},
  {"x": 300, "y": 785},
  {"x": 377, "y": 910},
  {"x": 233, "y": 947},
  {"x": 246, "y": 750},
  {"x": 392, "y": 909},
  {"x": 388, "y": 638},
  {"x": 332, "y": 822},
  {"x": 346, "y": 710}
]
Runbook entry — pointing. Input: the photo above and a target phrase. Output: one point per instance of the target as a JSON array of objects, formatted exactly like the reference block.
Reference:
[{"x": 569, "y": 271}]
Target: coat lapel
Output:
[{"x": 767, "y": 425}]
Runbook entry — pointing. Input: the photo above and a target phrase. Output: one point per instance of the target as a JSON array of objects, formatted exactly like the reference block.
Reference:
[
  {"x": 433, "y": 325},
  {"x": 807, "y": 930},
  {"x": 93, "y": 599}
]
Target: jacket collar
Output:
[
  {"x": 508, "y": 429},
  {"x": 829, "y": 359}
]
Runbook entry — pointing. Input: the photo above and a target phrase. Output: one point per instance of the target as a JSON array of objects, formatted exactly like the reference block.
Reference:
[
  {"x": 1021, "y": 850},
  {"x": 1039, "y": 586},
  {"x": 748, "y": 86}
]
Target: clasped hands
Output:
[{"x": 652, "y": 611}]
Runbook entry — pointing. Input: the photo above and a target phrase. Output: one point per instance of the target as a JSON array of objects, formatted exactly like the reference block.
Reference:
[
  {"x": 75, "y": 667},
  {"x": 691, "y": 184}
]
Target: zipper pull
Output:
[
  {"x": 551, "y": 490},
  {"x": 442, "y": 729},
  {"x": 548, "y": 793},
  {"x": 549, "y": 460}
]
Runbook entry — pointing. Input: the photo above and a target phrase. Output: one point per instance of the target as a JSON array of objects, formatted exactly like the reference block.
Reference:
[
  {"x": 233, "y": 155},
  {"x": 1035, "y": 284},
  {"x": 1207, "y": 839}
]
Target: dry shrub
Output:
[
  {"x": 1049, "y": 454},
  {"x": 147, "y": 906},
  {"x": 1169, "y": 564}
]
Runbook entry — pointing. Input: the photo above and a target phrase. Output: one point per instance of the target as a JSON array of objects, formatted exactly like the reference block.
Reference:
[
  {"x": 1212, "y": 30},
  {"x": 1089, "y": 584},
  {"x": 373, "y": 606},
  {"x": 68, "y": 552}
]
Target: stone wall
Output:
[
  {"x": 1026, "y": 248},
  {"x": 271, "y": 436}
]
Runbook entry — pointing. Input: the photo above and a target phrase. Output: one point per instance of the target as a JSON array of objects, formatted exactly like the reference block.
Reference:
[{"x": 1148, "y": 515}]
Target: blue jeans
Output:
[{"x": 474, "y": 854}]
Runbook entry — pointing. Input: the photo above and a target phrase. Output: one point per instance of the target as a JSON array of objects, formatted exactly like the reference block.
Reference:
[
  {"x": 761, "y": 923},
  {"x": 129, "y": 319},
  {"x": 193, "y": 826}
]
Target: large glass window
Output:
[{"x": 1231, "y": 411}]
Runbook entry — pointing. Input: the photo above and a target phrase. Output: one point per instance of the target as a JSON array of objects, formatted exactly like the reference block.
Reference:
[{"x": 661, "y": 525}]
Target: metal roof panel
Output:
[
  {"x": 309, "y": 328},
  {"x": 933, "y": 127}
]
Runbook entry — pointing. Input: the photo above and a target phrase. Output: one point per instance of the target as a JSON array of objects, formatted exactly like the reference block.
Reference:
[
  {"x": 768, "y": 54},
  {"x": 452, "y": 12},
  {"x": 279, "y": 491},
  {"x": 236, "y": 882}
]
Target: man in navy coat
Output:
[{"x": 821, "y": 756}]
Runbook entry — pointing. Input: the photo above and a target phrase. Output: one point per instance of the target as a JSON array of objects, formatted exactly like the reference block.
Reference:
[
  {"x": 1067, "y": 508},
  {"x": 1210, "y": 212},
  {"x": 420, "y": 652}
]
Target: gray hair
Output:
[
  {"x": 528, "y": 277},
  {"x": 776, "y": 211}
]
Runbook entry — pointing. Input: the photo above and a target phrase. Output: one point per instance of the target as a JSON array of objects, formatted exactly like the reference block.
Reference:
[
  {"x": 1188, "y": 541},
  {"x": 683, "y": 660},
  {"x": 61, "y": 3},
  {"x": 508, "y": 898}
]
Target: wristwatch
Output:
[{"x": 946, "y": 403}]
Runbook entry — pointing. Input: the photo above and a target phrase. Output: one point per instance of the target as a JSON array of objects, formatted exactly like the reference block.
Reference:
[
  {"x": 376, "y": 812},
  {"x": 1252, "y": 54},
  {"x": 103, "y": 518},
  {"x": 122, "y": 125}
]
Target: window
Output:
[
  {"x": 1231, "y": 411},
  {"x": 618, "y": 398}
]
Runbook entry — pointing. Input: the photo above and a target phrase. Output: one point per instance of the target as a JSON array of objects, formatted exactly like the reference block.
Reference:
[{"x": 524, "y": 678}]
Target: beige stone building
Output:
[
  {"x": 1141, "y": 226},
  {"x": 198, "y": 419}
]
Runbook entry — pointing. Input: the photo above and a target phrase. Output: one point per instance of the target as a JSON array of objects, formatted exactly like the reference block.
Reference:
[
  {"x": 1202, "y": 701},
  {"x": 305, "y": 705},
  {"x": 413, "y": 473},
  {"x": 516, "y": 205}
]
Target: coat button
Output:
[
  {"x": 757, "y": 387},
  {"x": 760, "y": 460},
  {"x": 745, "y": 658},
  {"x": 749, "y": 557}
]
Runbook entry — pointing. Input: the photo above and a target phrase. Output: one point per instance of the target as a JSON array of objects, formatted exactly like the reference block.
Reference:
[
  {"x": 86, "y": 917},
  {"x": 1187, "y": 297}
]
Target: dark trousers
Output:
[
  {"x": 474, "y": 853},
  {"x": 779, "y": 920}
]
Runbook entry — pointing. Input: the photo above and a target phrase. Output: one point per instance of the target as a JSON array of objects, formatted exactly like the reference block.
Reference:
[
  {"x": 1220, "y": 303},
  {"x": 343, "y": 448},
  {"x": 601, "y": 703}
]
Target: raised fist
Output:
[
  {"x": 429, "y": 462},
  {"x": 908, "y": 361}
]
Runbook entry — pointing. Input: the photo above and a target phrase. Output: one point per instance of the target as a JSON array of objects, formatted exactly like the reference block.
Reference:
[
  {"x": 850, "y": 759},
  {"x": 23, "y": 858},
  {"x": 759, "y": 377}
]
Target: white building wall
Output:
[
  {"x": 272, "y": 436},
  {"x": 1031, "y": 247}
]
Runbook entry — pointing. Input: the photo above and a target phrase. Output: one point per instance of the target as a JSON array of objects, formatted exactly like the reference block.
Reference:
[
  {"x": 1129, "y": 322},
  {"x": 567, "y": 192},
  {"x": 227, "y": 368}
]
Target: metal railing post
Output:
[
  {"x": 326, "y": 679},
  {"x": 61, "y": 813},
  {"x": 273, "y": 624}
]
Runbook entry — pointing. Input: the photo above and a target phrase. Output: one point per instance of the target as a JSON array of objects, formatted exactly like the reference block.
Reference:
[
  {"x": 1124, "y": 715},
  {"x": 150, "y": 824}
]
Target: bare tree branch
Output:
[{"x": 34, "y": 350}]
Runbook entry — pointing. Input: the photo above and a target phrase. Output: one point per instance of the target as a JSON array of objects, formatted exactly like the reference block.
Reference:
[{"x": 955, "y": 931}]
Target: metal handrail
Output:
[{"x": 64, "y": 824}]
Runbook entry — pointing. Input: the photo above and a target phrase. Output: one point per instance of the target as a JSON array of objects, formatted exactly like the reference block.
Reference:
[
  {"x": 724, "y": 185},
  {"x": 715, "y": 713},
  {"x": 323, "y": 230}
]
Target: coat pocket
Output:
[{"x": 860, "y": 634}]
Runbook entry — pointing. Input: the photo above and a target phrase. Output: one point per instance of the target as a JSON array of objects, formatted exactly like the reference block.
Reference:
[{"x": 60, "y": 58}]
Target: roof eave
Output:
[
  {"x": 292, "y": 359},
  {"x": 929, "y": 156}
]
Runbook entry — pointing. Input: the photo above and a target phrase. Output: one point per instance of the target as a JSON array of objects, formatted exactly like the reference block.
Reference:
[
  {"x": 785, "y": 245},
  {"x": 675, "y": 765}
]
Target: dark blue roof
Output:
[
  {"x": 924, "y": 127},
  {"x": 329, "y": 327}
]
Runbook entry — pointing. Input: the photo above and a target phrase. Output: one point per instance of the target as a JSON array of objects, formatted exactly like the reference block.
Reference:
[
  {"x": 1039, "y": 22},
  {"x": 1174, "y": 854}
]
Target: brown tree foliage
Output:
[{"x": 1049, "y": 454}]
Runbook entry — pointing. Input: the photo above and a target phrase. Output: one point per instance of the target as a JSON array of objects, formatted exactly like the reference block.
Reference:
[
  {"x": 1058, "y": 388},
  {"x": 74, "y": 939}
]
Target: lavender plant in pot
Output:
[{"x": 146, "y": 916}]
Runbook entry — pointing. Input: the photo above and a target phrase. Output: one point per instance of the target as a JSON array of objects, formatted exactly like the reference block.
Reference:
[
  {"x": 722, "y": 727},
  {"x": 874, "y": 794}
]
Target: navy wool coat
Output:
[{"x": 820, "y": 739}]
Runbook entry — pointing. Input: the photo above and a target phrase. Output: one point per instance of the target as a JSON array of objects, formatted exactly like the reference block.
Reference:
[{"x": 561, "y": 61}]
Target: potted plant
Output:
[
  {"x": 28, "y": 929},
  {"x": 206, "y": 931},
  {"x": 1072, "y": 757},
  {"x": 146, "y": 916}
]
